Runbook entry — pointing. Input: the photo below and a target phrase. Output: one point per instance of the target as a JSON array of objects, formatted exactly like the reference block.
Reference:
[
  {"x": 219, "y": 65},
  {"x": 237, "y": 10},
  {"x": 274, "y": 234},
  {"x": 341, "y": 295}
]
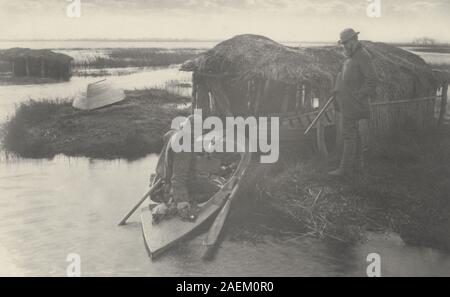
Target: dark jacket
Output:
[{"x": 355, "y": 84}]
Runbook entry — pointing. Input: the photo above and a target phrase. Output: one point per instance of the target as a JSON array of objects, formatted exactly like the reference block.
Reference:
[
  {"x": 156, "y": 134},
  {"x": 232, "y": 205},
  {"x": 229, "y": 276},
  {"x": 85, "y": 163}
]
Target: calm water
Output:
[
  {"x": 434, "y": 58},
  {"x": 12, "y": 95},
  {"x": 50, "y": 208}
]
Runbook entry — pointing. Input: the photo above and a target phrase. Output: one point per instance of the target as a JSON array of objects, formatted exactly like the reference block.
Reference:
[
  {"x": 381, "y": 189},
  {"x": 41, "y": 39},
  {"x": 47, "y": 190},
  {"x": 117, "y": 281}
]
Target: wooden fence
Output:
[
  {"x": 301, "y": 104},
  {"x": 418, "y": 113},
  {"x": 389, "y": 116}
]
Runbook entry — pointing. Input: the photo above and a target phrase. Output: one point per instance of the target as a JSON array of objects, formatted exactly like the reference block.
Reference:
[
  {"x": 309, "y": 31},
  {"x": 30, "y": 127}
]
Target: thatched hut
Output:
[
  {"x": 254, "y": 75},
  {"x": 272, "y": 76},
  {"x": 38, "y": 63}
]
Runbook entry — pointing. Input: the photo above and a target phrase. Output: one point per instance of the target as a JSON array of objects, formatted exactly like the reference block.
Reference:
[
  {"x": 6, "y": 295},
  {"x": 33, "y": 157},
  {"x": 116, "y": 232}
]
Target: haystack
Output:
[
  {"x": 37, "y": 63},
  {"x": 251, "y": 74}
]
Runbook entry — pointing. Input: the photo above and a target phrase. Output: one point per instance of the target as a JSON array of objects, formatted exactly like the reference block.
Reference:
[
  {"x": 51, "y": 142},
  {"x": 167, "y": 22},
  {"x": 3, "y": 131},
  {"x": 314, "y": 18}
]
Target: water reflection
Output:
[
  {"x": 50, "y": 208},
  {"x": 434, "y": 58},
  {"x": 12, "y": 95},
  {"x": 54, "y": 207}
]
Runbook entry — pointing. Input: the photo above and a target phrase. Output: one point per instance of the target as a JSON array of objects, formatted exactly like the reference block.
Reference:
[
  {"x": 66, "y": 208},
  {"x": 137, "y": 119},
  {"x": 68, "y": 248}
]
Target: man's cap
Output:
[{"x": 347, "y": 34}]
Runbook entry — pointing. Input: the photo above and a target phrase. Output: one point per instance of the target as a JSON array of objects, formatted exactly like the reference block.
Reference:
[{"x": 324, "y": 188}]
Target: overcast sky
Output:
[{"x": 282, "y": 20}]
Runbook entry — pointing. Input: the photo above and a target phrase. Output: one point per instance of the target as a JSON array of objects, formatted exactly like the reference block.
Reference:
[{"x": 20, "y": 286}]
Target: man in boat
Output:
[
  {"x": 355, "y": 84},
  {"x": 175, "y": 170},
  {"x": 183, "y": 182}
]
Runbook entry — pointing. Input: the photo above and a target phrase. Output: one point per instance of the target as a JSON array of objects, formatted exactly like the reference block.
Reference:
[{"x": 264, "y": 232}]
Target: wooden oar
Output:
[
  {"x": 152, "y": 189},
  {"x": 216, "y": 228}
]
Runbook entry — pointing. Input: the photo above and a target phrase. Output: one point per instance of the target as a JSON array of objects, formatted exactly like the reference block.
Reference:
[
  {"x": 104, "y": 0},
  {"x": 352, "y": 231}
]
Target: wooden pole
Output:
[
  {"x": 443, "y": 110},
  {"x": 220, "y": 98},
  {"x": 286, "y": 99},
  {"x": 299, "y": 96},
  {"x": 203, "y": 101},
  {"x": 43, "y": 68},
  {"x": 259, "y": 96},
  {"x": 194, "y": 92},
  {"x": 338, "y": 125},
  {"x": 264, "y": 97},
  {"x": 248, "y": 96},
  {"x": 212, "y": 108},
  {"x": 252, "y": 96},
  {"x": 27, "y": 67},
  {"x": 321, "y": 144}
]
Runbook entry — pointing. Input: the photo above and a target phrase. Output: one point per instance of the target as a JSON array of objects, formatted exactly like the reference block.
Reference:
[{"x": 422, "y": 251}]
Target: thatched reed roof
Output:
[
  {"x": 402, "y": 74},
  {"x": 15, "y": 53}
]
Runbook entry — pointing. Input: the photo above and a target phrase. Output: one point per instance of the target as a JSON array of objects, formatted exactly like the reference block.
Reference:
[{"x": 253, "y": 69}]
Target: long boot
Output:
[
  {"x": 360, "y": 165},
  {"x": 360, "y": 162},
  {"x": 362, "y": 150},
  {"x": 347, "y": 161}
]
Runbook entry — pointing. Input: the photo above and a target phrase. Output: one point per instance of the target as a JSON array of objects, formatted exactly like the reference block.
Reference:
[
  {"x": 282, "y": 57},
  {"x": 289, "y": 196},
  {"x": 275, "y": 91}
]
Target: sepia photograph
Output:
[{"x": 224, "y": 138}]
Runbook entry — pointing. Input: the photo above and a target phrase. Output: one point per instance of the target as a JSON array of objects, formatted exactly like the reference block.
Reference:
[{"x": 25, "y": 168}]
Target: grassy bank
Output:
[
  {"x": 129, "y": 129},
  {"x": 407, "y": 191}
]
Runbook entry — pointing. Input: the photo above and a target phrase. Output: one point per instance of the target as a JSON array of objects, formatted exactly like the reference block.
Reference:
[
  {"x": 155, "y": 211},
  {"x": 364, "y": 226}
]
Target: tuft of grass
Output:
[{"x": 37, "y": 111}]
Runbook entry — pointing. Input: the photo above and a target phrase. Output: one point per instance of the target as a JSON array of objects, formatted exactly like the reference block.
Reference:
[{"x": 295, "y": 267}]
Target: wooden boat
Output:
[
  {"x": 99, "y": 94},
  {"x": 158, "y": 238}
]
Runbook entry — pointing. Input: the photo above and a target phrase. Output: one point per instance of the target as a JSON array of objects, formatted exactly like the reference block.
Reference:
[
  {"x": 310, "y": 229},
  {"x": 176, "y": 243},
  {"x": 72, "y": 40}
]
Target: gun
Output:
[{"x": 319, "y": 115}]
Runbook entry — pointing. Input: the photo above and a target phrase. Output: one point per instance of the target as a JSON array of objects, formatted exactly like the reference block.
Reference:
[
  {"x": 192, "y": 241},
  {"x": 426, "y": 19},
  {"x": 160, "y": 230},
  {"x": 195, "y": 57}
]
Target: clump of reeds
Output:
[
  {"x": 138, "y": 57},
  {"x": 19, "y": 138}
]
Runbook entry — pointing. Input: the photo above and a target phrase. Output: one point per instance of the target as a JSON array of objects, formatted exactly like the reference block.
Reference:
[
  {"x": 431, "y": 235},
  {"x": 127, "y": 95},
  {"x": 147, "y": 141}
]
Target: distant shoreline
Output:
[{"x": 437, "y": 44}]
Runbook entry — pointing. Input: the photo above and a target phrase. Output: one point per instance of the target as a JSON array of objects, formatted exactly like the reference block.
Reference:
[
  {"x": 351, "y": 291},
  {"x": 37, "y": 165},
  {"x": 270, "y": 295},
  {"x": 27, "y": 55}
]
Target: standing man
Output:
[{"x": 355, "y": 85}]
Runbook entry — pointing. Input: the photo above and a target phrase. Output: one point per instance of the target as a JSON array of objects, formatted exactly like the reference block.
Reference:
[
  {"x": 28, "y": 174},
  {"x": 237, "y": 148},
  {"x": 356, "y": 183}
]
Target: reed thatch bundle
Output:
[
  {"x": 16, "y": 53},
  {"x": 246, "y": 58},
  {"x": 249, "y": 56},
  {"x": 403, "y": 75}
]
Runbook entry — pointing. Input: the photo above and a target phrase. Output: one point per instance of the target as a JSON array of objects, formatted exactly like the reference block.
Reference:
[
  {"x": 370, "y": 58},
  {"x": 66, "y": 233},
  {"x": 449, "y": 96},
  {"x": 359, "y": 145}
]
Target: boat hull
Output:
[{"x": 160, "y": 237}]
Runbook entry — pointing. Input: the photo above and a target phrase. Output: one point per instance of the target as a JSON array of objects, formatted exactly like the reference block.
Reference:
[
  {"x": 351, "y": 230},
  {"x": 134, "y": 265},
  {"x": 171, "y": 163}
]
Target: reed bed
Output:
[{"x": 136, "y": 57}]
